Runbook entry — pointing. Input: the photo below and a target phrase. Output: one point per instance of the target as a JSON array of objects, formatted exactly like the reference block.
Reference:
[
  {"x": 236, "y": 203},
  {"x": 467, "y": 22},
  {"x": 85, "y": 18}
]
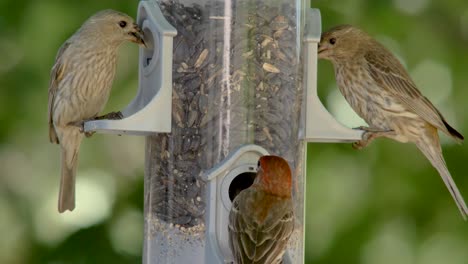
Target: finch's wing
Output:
[
  {"x": 252, "y": 241},
  {"x": 387, "y": 71},
  {"x": 273, "y": 238},
  {"x": 235, "y": 235},
  {"x": 56, "y": 76}
]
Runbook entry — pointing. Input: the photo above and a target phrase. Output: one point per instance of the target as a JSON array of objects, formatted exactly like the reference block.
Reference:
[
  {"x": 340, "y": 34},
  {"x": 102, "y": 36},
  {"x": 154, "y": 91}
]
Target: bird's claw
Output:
[
  {"x": 112, "y": 116},
  {"x": 370, "y": 134},
  {"x": 89, "y": 133},
  {"x": 360, "y": 128},
  {"x": 371, "y": 129},
  {"x": 366, "y": 137},
  {"x": 363, "y": 142},
  {"x": 80, "y": 125},
  {"x": 358, "y": 145}
]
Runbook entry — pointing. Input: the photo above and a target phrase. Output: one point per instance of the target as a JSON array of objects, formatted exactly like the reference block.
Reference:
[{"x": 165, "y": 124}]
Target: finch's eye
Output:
[
  {"x": 332, "y": 41},
  {"x": 122, "y": 24}
]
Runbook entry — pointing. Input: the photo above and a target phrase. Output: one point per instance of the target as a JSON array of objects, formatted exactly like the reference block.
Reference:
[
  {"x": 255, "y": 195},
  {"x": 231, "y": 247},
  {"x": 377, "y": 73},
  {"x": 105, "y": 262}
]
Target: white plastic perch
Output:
[{"x": 318, "y": 124}]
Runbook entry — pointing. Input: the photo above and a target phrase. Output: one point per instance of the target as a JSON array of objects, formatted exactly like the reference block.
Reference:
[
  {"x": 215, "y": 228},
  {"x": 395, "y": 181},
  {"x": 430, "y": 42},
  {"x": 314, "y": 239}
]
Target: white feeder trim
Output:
[{"x": 318, "y": 125}]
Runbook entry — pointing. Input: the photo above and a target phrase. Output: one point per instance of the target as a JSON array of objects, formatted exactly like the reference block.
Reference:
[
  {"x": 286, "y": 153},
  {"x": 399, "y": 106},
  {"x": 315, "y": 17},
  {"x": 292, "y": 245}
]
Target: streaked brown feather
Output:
[
  {"x": 386, "y": 97},
  {"x": 258, "y": 242},
  {"x": 56, "y": 76},
  {"x": 390, "y": 74}
]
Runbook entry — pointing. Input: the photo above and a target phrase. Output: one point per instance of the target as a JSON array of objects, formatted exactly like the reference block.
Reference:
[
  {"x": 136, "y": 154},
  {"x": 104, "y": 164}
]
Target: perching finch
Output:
[
  {"x": 379, "y": 89},
  {"x": 81, "y": 80},
  {"x": 261, "y": 218}
]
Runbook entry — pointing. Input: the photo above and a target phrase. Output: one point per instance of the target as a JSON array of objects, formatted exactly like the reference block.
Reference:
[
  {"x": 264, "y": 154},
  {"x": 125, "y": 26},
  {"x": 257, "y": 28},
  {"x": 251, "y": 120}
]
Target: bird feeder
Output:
[{"x": 221, "y": 83}]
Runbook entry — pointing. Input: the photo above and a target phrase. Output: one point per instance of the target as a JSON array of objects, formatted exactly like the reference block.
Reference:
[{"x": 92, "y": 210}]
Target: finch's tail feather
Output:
[
  {"x": 70, "y": 144},
  {"x": 454, "y": 133},
  {"x": 67, "y": 188},
  {"x": 433, "y": 152}
]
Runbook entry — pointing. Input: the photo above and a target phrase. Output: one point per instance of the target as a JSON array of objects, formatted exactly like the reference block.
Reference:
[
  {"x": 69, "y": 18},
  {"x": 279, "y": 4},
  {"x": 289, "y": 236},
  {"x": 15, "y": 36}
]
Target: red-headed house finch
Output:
[
  {"x": 81, "y": 80},
  {"x": 261, "y": 218},
  {"x": 378, "y": 88}
]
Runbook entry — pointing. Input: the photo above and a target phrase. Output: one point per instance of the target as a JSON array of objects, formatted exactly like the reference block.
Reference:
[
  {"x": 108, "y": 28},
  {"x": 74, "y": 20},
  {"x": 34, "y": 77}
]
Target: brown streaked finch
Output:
[
  {"x": 80, "y": 83},
  {"x": 261, "y": 219},
  {"x": 379, "y": 89}
]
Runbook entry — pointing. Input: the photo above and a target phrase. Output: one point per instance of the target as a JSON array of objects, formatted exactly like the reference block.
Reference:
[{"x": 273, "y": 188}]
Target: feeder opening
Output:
[
  {"x": 241, "y": 182},
  {"x": 149, "y": 53}
]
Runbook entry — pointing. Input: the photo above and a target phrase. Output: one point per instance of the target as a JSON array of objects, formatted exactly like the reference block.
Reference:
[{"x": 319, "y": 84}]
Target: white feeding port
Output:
[
  {"x": 318, "y": 125},
  {"x": 225, "y": 181}
]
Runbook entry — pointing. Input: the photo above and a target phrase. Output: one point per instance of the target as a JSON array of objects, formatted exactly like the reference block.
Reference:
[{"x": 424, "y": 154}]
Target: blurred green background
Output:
[{"x": 384, "y": 204}]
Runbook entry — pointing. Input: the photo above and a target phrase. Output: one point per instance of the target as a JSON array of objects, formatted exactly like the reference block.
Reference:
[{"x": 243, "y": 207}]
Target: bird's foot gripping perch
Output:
[
  {"x": 370, "y": 134},
  {"x": 80, "y": 125},
  {"x": 112, "y": 116}
]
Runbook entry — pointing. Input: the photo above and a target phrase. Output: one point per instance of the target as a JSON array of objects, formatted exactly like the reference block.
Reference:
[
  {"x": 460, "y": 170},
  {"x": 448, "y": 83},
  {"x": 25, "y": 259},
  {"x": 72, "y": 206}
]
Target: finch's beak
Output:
[
  {"x": 320, "y": 50},
  {"x": 137, "y": 35}
]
